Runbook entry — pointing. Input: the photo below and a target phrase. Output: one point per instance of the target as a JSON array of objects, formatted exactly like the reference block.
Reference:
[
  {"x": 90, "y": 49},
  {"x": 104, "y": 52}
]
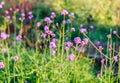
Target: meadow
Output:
[{"x": 59, "y": 41}]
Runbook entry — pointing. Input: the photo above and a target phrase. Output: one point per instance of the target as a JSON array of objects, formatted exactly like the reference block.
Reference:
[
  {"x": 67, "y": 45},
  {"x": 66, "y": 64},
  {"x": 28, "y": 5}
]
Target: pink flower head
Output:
[
  {"x": 53, "y": 52},
  {"x": 52, "y": 45},
  {"x": 47, "y": 19},
  {"x": 81, "y": 25},
  {"x": 30, "y": 12},
  {"x": 102, "y": 61},
  {"x": 17, "y": 9},
  {"x": 86, "y": 40},
  {"x": 11, "y": 9},
  {"x": 115, "y": 58},
  {"x": 19, "y": 37},
  {"x": 1, "y": 6},
  {"x": 15, "y": 58},
  {"x": 64, "y": 22},
  {"x": 115, "y": 32},
  {"x": 54, "y": 40},
  {"x": 38, "y": 24},
  {"x": 68, "y": 21},
  {"x": 91, "y": 27},
  {"x": 1, "y": 65},
  {"x": 52, "y": 34},
  {"x": 100, "y": 48},
  {"x": 2, "y": 3},
  {"x": 23, "y": 14},
  {"x": 83, "y": 30},
  {"x": 4, "y": 36},
  {"x": 66, "y": 48},
  {"x": 64, "y": 12},
  {"x": 83, "y": 43},
  {"x": 43, "y": 35},
  {"x": 3, "y": 50},
  {"x": 108, "y": 36},
  {"x": 46, "y": 28},
  {"x": 53, "y": 15},
  {"x": 71, "y": 57},
  {"x": 72, "y": 29},
  {"x": 77, "y": 40},
  {"x": 68, "y": 44},
  {"x": 30, "y": 17},
  {"x": 72, "y": 15},
  {"x": 6, "y": 12}
]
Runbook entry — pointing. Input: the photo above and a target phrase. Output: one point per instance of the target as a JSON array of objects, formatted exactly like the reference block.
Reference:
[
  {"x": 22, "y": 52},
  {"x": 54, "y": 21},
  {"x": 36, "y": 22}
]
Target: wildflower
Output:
[
  {"x": 91, "y": 27},
  {"x": 19, "y": 37},
  {"x": 64, "y": 22},
  {"x": 2, "y": 3},
  {"x": 8, "y": 17},
  {"x": 4, "y": 36},
  {"x": 30, "y": 17},
  {"x": 83, "y": 43},
  {"x": 46, "y": 28},
  {"x": 38, "y": 24},
  {"x": 68, "y": 21},
  {"x": 15, "y": 58},
  {"x": 68, "y": 44},
  {"x": 77, "y": 40},
  {"x": 43, "y": 35},
  {"x": 17, "y": 9},
  {"x": 114, "y": 32},
  {"x": 3, "y": 50},
  {"x": 53, "y": 52},
  {"x": 47, "y": 19},
  {"x": 1, "y": 6},
  {"x": 6, "y": 12},
  {"x": 11, "y": 9},
  {"x": 30, "y": 12},
  {"x": 83, "y": 30},
  {"x": 81, "y": 25},
  {"x": 72, "y": 15},
  {"x": 108, "y": 36},
  {"x": 52, "y": 45},
  {"x": 1, "y": 65},
  {"x": 53, "y": 15},
  {"x": 54, "y": 40},
  {"x": 72, "y": 29},
  {"x": 66, "y": 48},
  {"x": 52, "y": 34},
  {"x": 115, "y": 58},
  {"x": 102, "y": 61},
  {"x": 71, "y": 57},
  {"x": 64, "y": 12},
  {"x": 23, "y": 14},
  {"x": 97, "y": 43},
  {"x": 100, "y": 48}
]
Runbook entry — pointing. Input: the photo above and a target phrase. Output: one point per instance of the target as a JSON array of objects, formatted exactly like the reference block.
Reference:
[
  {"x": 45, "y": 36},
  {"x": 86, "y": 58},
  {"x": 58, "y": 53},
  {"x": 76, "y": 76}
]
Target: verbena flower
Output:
[
  {"x": 2, "y": 65},
  {"x": 46, "y": 28},
  {"x": 53, "y": 52},
  {"x": 3, "y": 35},
  {"x": 91, "y": 27},
  {"x": 100, "y": 48},
  {"x": 77, "y": 40},
  {"x": 53, "y": 15},
  {"x": 102, "y": 61},
  {"x": 72, "y": 29},
  {"x": 64, "y": 12},
  {"x": 68, "y": 44},
  {"x": 19, "y": 37},
  {"x": 38, "y": 24},
  {"x": 15, "y": 58},
  {"x": 43, "y": 35},
  {"x": 47, "y": 19},
  {"x": 86, "y": 40},
  {"x": 83, "y": 30},
  {"x": 115, "y": 58},
  {"x": 52, "y": 45},
  {"x": 23, "y": 14},
  {"x": 71, "y": 57}
]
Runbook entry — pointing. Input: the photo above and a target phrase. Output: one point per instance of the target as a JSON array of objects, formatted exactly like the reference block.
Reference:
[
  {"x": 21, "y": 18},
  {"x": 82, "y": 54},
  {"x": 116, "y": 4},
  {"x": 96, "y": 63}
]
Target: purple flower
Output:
[
  {"x": 53, "y": 52},
  {"x": 30, "y": 17},
  {"x": 23, "y": 14},
  {"x": 91, "y": 27},
  {"x": 53, "y": 15},
  {"x": 30, "y": 12},
  {"x": 6, "y": 12},
  {"x": 83, "y": 30},
  {"x": 115, "y": 58},
  {"x": 43, "y": 35},
  {"x": 72, "y": 29},
  {"x": 52, "y": 45},
  {"x": 1, "y": 6},
  {"x": 47, "y": 19},
  {"x": 64, "y": 12},
  {"x": 11, "y": 9},
  {"x": 108, "y": 36},
  {"x": 4, "y": 35},
  {"x": 114, "y": 32},
  {"x": 86, "y": 40},
  {"x": 100, "y": 48},
  {"x": 46, "y": 28},
  {"x": 2, "y": 3},
  {"x": 102, "y": 61},
  {"x": 66, "y": 48},
  {"x": 1, "y": 65},
  {"x": 68, "y": 21},
  {"x": 3, "y": 50},
  {"x": 72, "y": 15},
  {"x": 19, "y": 37},
  {"x": 71, "y": 57},
  {"x": 38, "y": 24},
  {"x": 81, "y": 25},
  {"x": 83, "y": 43},
  {"x": 68, "y": 44},
  {"x": 54, "y": 40},
  {"x": 15, "y": 58},
  {"x": 64, "y": 22},
  {"x": 77, "y": 40}
]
